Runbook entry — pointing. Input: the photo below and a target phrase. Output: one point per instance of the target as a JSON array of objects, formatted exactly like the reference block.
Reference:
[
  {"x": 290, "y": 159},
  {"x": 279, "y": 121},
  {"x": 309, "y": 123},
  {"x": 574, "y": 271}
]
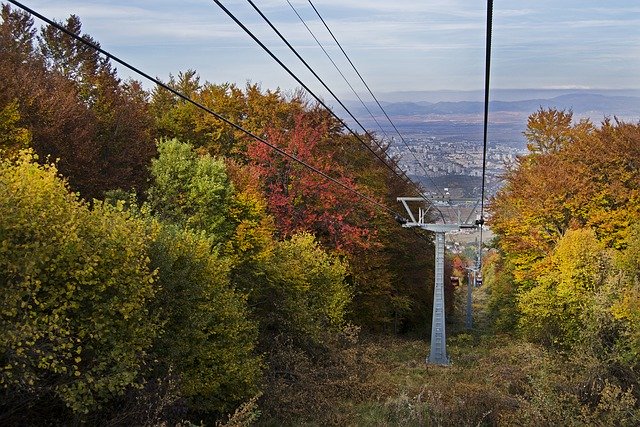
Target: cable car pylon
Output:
[{"x": 463, "y": 208}]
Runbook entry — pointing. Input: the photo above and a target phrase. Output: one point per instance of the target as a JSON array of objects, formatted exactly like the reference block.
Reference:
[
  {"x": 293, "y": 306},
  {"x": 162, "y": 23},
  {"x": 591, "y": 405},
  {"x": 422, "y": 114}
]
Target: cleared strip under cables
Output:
[{"x": 204, "y": 108}]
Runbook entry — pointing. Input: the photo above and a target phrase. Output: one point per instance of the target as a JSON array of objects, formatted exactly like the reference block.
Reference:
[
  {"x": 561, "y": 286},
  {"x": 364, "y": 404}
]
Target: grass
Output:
[{"x": 493, "y": 380}]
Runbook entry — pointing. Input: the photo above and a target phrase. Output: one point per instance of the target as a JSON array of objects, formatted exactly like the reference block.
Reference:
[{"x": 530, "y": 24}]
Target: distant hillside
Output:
[
  {"x": 496, "y": 94},
  {"x": 593, "y": 105}
]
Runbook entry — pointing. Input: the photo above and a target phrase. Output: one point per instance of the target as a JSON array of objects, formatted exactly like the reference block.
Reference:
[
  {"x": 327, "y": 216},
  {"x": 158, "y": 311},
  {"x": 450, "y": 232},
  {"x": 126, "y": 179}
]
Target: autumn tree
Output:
[
  {"x": 590, "y": 181},
  {"x": 567, "y": 210},
  {"x": 121, "y": 145},
  {"x": 16, "y": 36},
  {"x": 13, "y": 137},
  {"x": 75, "y": 107},
  {"x": 301, "y": 200},
  {"x": 555, "y": 310},
  {"x": 76, "y": 285},
  {"x": 253, "y": 108},
  {"x": 45, "y": 104}
]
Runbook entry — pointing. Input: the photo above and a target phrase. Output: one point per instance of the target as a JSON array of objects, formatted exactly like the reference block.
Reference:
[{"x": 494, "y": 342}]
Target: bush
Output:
[
  {"x": 305, "y": 295},
  {"x": 207, "y": 339},
  {"x": 75, "y": 284}
]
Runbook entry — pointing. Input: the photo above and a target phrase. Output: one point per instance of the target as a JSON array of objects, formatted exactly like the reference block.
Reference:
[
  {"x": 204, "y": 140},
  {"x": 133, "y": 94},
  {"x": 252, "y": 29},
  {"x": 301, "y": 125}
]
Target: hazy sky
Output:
[{"x": 401, "y": 45}]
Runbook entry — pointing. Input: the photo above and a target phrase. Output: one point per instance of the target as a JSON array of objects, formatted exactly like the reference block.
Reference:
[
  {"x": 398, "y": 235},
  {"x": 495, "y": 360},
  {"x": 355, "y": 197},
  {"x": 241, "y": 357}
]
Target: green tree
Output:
[
  {"x": 207, "y": 339},
  {"x": 191, "y": 190},
  {"x": 75, "y": 289},
  {"x": 305, "y": 295},
  {"x": 626, "y": 308}
]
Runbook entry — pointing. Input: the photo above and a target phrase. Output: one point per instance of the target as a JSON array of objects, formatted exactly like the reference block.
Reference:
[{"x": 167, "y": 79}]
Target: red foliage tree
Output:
[{"x": 301, "y": 199}]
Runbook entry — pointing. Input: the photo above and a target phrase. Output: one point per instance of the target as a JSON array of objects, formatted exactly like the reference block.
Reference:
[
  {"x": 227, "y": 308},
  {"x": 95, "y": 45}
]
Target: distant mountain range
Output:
[
  {"x": 582, "y": 103},
  {"x": 497, "y": 94}
]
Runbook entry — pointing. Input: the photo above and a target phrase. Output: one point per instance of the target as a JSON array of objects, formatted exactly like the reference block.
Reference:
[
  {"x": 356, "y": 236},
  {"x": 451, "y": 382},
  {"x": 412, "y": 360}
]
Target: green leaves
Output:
[
  {"x": 207, "y": 338},
  {"x": 190, "y": 190},
  {"x": 75, "y": 288},
  {"x": 305, "y": 295}
]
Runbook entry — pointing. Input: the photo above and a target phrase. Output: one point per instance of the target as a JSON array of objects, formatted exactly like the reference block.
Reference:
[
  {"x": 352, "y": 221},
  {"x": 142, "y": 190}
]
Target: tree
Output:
[
  {"x": 46, "y": 104},
  {"x": 75, "y": 291},
  {"x": 548, "y": 131},
  {"x": 13, "y": 137},
  {"x": 122, "y": 145},
  {"x": 302, "y": 200},
  {"x": 16, "y": 36},
  {"x": 252, "y": 108},
  {"x": 556, "y": 308},
  {"x": 565, "y": 212},
  {"x": 75, "y": 107},
  {"x": 305, "y": 295},
  {"x": 589, "y": 182},
  {"x": 207, "y": 339},
  {"x": 190, "y": 190}
]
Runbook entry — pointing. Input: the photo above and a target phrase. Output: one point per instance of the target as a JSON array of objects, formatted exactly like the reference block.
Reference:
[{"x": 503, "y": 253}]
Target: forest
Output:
[{"x": 160, "y": 267}]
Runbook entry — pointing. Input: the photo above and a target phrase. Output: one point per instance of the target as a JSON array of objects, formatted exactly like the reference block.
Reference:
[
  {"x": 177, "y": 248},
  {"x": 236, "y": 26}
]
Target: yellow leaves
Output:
[
  {"x": 72, "y": 268},
  {"x": 13, "y": 137}
]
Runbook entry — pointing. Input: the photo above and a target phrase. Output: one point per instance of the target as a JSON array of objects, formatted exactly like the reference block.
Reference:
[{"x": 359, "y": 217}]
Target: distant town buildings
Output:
[{"x": 440, "y": 158}]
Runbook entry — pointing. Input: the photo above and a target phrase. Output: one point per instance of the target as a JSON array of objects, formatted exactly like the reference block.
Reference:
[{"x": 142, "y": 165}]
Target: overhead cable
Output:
[
  {"x": 203, "y": 107},
  {"x": 486, "y": 99},
  {"x": 337, "y": 68},
  {"x": 375, "y": 99},
  {"x": 306, "y": 64},
  {"x": 486, "y": 119},
  {"x": 316, "y": 97}
]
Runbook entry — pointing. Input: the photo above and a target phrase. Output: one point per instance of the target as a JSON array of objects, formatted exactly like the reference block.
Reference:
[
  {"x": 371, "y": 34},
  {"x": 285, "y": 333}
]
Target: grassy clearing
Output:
[{"x": 494, "y": 380}]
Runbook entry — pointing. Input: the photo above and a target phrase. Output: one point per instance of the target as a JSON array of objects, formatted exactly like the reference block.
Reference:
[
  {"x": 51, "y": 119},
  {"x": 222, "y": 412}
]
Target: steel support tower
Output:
[
  {"x": 438, "y": 349},
  {"x": 438, "y": 352}
]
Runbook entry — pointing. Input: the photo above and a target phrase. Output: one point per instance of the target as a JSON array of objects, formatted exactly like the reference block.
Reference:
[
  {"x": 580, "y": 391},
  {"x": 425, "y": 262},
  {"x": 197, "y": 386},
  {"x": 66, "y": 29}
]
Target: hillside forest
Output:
[{"x": 160, "y": 267}]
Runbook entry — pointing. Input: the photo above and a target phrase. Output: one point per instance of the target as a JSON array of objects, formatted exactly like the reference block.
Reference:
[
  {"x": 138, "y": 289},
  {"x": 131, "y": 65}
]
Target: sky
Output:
[{"x": 403, "y": 45}]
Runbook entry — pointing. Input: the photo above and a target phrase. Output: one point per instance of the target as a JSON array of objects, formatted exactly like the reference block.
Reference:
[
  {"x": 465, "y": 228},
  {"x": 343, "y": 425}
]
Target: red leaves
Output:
[{"x": 300, "y": 199}]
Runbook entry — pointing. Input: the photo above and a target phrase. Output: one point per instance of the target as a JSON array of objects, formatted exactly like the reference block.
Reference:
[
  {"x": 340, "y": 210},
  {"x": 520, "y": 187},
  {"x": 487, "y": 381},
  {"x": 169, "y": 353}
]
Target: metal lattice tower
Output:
[
  {"x": 451, "y": 222},
  {"x": 438, "y": 353}
]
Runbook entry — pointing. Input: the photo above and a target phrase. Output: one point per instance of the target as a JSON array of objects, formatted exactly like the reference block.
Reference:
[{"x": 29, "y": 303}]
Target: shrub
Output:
[
  {"x": 75, "y": 285},
  {"x": 207, "y": 339},
  {"x": 305, "y": 294}
]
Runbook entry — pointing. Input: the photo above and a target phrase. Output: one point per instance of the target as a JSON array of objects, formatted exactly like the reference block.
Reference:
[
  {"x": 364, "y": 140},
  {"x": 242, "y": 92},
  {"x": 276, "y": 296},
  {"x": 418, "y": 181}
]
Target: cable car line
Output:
[
  {"x": 156, "y": 81},
  {"x": 376, "y": 100},
  {"x": 337, "y": 68},
  {"x": 486, "y": 119},
  {"x": 306, "y": 64},
  {"x": 316, "y": 97}
]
